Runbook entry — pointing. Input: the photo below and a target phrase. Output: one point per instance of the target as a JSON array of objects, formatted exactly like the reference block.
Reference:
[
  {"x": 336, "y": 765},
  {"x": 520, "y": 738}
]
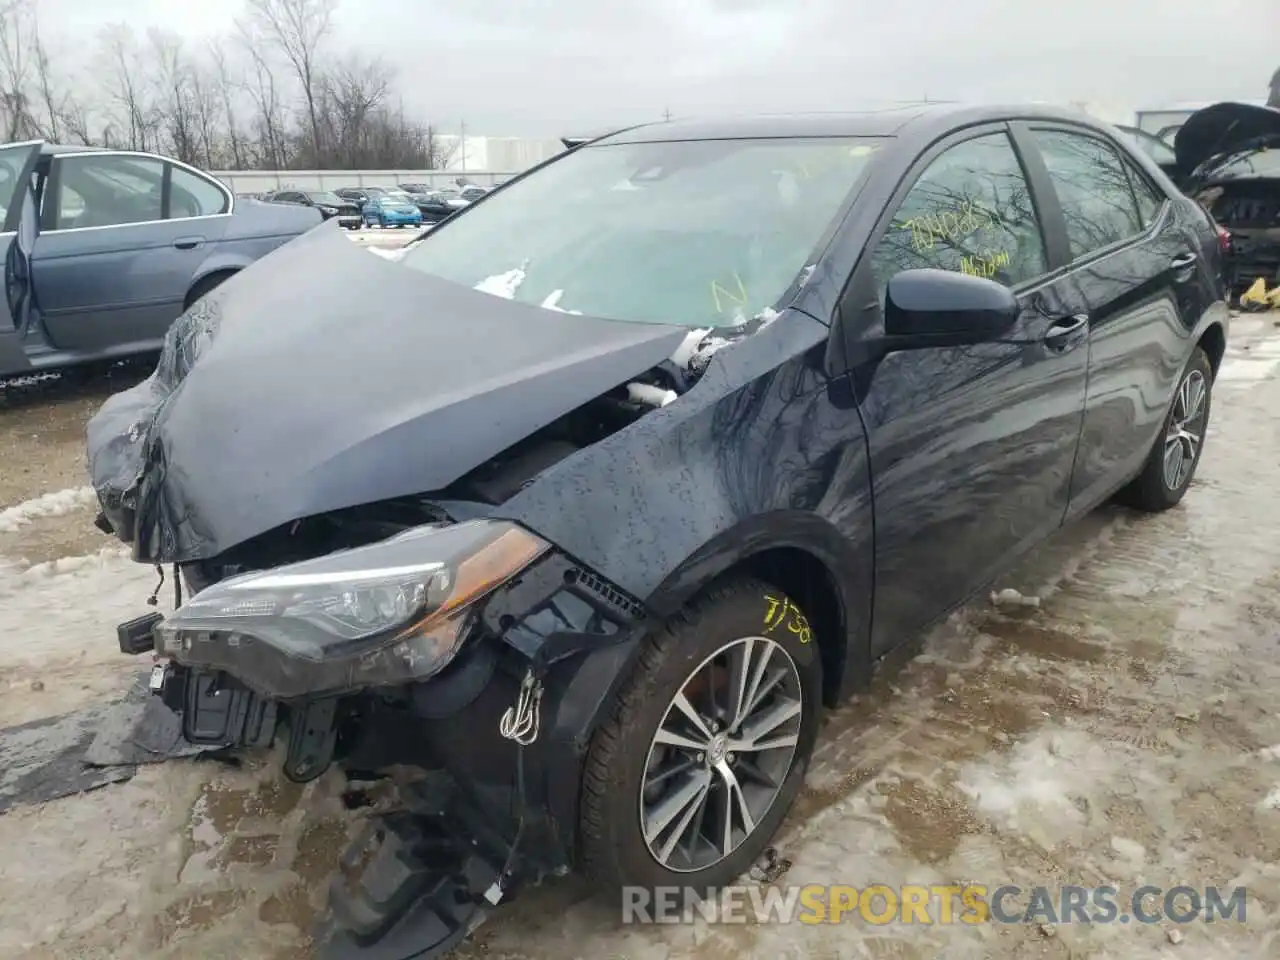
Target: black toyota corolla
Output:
[{"x": 592, "y": 533}]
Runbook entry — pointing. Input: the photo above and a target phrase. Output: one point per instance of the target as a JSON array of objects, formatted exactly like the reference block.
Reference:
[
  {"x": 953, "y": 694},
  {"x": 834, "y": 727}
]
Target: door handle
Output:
[
  {"x": 1182, "y": 264},
  {"x": 1065, "y": 327},
  {"x": 188, "y": 243}
]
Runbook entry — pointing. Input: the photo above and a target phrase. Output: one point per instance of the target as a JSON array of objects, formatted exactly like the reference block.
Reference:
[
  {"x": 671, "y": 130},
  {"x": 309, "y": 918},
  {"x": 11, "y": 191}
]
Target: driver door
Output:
[
  {"x": 18, "y": 164},
  {"x": 972, "y": 448}
]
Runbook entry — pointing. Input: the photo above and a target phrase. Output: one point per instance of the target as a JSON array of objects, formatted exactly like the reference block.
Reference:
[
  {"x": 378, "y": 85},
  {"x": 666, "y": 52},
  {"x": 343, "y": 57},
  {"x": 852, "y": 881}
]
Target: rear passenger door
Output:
[{"x": 1139, "y": 274}]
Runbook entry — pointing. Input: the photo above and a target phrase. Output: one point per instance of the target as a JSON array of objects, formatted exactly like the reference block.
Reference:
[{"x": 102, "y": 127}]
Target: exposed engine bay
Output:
[{"x": 490, "y": 484}]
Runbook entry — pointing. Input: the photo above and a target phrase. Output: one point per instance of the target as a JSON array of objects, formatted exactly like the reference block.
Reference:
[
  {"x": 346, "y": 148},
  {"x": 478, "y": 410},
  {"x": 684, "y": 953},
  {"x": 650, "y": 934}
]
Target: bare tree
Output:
[
  {"x": 272, "y": 143},
  {"x": 265, "y": 95},
  {"x": 129, "y": 90},
  {"x": 227, "y": 94},
  {"x": 297, "y": 28},
  {"x": 439, "y": 151},
  {"x": 175, "y": 95},
  {"x": 350, "y": 95},
  {"x": 54, "y": 101},
  {"x": 16, "y": 27}
]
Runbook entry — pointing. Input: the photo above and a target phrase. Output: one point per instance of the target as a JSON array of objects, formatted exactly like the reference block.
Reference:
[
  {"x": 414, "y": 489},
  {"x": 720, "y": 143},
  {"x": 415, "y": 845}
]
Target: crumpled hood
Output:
[
  {"x": 1220, "y": 128},
  {"x": 323, "y": 377}
]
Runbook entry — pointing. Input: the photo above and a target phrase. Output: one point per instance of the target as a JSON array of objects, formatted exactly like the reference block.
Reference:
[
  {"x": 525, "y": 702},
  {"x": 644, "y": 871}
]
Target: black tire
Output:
[
  {"x": 614, "y": 851},
  {"x": 1152, "y": 490},
  {"x": 205, "y": 285}
]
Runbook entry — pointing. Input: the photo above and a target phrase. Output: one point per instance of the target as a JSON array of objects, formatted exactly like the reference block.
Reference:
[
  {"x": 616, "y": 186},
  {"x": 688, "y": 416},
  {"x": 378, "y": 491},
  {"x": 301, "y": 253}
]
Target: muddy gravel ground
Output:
[{"x": 1124, "y": 731}]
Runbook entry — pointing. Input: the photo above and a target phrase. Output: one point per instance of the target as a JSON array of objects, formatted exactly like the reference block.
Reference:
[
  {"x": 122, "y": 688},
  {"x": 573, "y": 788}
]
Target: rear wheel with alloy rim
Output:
[
  {"x": 1172, "y": 463},
  {"x": 692, "y": 774}
]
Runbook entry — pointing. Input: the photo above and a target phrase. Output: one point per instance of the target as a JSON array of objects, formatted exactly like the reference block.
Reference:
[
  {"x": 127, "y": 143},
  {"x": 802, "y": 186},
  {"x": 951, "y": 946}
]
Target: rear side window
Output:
[
  {"x": 191, "y": 195},
  {"x": 1093, "y": 188},
  {"x": 969, "y": 212},
  {"x": 1150, "y": 200}
]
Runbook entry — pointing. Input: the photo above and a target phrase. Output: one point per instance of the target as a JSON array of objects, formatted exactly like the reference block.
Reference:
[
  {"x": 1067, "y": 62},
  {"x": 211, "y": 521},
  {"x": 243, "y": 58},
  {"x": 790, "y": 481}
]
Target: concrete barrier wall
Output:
[{"x": 260, "y": 181}]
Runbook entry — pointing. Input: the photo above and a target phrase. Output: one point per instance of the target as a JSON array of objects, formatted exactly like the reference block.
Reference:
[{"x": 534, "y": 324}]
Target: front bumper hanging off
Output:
[
  {"x": 494, "y": 809},
  {"x": 415, "y": 882},
  {"x": 410, "y": 885}
]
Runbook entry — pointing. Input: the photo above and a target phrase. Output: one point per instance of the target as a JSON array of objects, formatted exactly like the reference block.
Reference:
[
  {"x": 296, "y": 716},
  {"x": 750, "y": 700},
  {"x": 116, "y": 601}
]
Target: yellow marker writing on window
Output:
[{"x": 719, "y": 294}]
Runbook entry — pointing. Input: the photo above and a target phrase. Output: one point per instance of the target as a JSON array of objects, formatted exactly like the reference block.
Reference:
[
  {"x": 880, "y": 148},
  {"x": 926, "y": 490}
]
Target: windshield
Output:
[
  {"x": 700, "y": 233},
  {"x": 324, "y": 196},
  {"x": 1258, "y": 162}
]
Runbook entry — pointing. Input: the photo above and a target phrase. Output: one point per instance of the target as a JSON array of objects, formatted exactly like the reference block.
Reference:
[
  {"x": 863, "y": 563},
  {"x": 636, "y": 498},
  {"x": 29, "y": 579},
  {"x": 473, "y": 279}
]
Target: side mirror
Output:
[{"x": 940, "y": 308}]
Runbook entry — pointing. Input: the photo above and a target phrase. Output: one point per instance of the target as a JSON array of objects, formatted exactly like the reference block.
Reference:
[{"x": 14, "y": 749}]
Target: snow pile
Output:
[
  {"x": 67, "y": 609},
  {"x": 56, "y": 504}
]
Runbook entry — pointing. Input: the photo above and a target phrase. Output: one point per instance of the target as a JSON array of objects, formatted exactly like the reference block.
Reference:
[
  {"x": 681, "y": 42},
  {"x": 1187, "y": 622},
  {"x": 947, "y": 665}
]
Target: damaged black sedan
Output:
[{"x": 591, "y": 533}]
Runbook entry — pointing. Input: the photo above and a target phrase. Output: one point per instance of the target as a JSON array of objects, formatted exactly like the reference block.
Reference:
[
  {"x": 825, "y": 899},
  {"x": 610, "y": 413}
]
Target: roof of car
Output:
[{"x": 882, "y": 122}]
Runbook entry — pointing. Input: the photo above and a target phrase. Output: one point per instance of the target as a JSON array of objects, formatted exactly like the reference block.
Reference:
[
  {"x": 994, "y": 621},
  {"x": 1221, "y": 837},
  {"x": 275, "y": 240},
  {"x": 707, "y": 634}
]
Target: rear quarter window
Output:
[{"x": 1093, "y": 189}]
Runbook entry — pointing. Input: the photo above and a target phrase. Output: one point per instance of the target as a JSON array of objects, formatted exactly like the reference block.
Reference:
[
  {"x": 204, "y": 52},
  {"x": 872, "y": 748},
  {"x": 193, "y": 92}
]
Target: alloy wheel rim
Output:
[
  {"x": 721, "y": 754},
  {"x": 1186, "y": 430}
]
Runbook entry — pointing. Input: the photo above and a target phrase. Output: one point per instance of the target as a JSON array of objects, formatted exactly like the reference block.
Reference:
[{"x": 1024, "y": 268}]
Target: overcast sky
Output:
[{"x": 545, "y": 67}]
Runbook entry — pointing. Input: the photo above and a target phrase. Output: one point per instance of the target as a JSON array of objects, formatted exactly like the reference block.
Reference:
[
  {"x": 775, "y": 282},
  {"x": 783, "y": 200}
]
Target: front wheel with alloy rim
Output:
[
  {"x": 1176, "y": 453},
  {"x": 706, "y": 748}
]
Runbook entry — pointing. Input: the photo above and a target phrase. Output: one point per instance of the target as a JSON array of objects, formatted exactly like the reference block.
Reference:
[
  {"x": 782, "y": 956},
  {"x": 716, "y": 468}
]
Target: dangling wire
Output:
[{"x": 154, "y": 599}]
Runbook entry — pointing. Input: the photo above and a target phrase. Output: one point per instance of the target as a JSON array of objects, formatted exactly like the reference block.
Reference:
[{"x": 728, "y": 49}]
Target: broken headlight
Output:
[{"x": 390, "y": 613}]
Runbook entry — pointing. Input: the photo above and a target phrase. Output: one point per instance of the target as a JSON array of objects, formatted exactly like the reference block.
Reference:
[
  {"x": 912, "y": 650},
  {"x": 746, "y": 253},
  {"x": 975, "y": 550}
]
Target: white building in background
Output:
[{"x": 510, "y": 154}]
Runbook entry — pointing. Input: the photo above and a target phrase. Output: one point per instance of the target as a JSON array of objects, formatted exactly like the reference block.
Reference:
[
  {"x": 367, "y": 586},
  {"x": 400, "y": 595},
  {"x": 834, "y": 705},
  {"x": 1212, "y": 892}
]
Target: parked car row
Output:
[
  {"x": 329, "y": 205},
  {"x": 383, "y": 206},
  {"x": 408, "y": 205}
]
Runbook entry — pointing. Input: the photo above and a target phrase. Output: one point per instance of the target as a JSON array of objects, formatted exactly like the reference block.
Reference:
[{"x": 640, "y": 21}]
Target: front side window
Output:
[
  {"x": 698, "y": 233},
  {"x": 191, "y": 195},
  {"x": 1093, "y": 189},
  {"x": 969, "y": 212},
  {"x": 108, "y": 190}
]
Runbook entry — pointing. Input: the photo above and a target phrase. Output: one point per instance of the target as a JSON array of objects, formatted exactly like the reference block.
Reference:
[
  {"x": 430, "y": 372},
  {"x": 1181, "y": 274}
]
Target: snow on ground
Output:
[
  {"x": 56, "y": 504},
  {"x": 57, "y": 631},
  {"x": 1124, "y": 730}
]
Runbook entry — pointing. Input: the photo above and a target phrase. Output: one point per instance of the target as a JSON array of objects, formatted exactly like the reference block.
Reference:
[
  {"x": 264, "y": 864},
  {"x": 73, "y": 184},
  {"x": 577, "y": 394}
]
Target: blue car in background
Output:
[
  {"x": 106, "y": 248},
  {"x": 391, "y": 208}
]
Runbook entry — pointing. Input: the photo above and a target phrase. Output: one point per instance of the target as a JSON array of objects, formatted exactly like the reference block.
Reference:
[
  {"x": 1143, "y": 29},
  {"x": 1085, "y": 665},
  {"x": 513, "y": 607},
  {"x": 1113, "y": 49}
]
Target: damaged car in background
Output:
[
  {"x": 1229, "y": 160},
  {"x": 590, "y": 537}
]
